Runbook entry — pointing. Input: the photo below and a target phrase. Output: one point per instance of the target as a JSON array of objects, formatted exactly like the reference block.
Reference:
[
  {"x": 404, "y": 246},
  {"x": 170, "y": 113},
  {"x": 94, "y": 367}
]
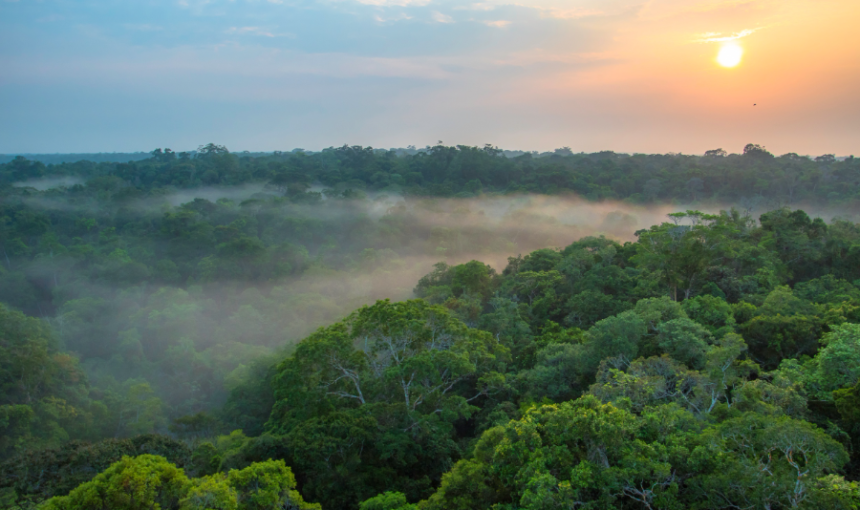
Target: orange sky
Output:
[
  {"x": 623, "y": 75},
  {"x": 801, "y": 68}
]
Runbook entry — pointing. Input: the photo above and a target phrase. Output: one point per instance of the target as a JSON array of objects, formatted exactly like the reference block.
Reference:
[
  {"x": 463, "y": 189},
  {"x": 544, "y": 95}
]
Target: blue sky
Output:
[{"x": 97, "y": 75}]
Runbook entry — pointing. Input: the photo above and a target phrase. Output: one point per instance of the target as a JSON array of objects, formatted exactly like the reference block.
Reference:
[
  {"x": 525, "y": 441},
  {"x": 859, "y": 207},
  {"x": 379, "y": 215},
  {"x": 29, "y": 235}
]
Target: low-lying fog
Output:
[
  {"x": 366, "y": 250},
  {"x": 49, "y": 183}
]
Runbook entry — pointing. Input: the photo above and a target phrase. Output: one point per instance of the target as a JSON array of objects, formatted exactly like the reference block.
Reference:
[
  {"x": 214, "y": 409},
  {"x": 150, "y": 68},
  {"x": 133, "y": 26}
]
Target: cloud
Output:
[
  {"x": 498, "y": 23},
  {"x": 399, "y": 17},
  {"x": 481, "y": 6},
  {"x": 566, "y": 58},
  {"x": 395, "y": 3},
  {"x": 193, "y": 3},
  {"x": 257, "y": 31},
  {"x": 442, "y": 18},
  {"x": 559, "y": 9},
  {"x": 710, "y": 37},
  {"x": 572, "y": 13}
]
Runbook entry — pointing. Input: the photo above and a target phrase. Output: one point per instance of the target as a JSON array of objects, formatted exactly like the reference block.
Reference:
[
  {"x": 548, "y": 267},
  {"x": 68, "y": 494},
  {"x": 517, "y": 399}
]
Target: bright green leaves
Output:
[
  {"x": 834, "y": 367},
  {"x": 265, "y": 485},
  {"x": 782, "y": 301},
  {"x": 133, "y": 483},
  {"x": 555, "y": 456},
  {"x": 387, "y": 501},
  {"x": 711, "y": 312},
  {"x": 591, "y": 455},
  {"x": 839, "y": 360},
  {"x": 659, "y": 309},
  {"x": 150, "y": 482},
  {"x": 653, "y": 381},
  {"x": 210, "y": 493}
]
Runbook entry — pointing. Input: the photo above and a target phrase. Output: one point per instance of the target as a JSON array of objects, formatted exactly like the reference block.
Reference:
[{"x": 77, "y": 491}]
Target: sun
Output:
[{"x": 730, "y": 55}]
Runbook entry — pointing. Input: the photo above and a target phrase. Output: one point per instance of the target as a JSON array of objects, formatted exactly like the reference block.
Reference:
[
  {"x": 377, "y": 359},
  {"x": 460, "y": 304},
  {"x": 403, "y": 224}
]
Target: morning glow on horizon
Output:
[{"x": 662, "y": 76}]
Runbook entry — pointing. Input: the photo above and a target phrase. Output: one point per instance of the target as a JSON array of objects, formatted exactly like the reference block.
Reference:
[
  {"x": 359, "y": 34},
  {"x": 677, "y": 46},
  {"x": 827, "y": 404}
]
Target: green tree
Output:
[
  {"x": 133, "y": 483},
  {"x": 685, "y": 341},
  {"x": 210, "y": 493},
  {"x": 618, "y": 337},
  {"x": 411, "y": 353},
  {"x": 265, "y": 485},
  {"x": 711, "y": 312},
  {"x": 764, "y": 462},
  {"x": 387, "y": 501},
  {"x": 571, "y": 454},
  {"x": 679, "y": 254},
  {"x": 43, "y": 392},
  {"x": 39, "y": 474}
]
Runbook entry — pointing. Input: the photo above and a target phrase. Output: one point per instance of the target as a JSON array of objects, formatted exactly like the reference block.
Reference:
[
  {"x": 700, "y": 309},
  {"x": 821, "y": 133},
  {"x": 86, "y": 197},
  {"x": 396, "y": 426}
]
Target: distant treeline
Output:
[
  {"x": 97, "y": 157},
  {"x": 756, "y": 176}
]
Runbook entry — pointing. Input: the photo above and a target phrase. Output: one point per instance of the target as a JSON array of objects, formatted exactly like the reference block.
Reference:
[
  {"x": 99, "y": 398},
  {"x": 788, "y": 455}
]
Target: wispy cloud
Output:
[
  {"x": 710, "y": 37},
  {"x": 559, "y": 9},
  {"x": 481, "y": 6},
  {"x": 193, "y": 3},
  {"x": 572, "y": 13},
  {"x": 442, "y": 18},
  {"x": 255, "y": 31},
  {"x": 395, "y": 3},
  {"x": 386, "y": 19},
  {"x": 498, "y": 23}
]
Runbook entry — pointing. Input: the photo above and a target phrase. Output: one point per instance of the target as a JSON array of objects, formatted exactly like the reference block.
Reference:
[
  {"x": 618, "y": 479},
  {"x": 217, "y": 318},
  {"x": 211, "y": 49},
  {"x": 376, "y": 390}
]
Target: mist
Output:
[
  {"x": 49, "y": 183},
  {"x": 170, "y": 308},
  {"x": 345, "y": 254}
]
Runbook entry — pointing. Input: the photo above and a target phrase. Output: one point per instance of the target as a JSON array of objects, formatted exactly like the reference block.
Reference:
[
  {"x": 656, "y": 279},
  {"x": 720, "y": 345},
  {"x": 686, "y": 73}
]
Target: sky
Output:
[{"x": 260, "y": 75}]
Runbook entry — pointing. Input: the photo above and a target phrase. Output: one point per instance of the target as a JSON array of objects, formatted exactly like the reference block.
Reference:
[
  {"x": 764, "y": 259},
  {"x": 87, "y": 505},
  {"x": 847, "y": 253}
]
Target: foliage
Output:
[
  {"x": 36, "y": 475},
  {"x": 150, "y": 481},
  {"x": 707, "y": 362},
  {"x": 133, "y": 483}
]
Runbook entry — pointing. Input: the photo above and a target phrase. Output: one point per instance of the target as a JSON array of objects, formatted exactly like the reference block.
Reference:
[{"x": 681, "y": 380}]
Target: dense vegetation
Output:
[
  {"x": 462, "y": 171},
  {"x": 711, "y": 362}
]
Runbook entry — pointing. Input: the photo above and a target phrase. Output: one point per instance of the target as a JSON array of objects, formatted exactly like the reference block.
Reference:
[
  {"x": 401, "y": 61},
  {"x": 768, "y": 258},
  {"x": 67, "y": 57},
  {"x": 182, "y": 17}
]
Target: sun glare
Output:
[{"x": 730, "y": 55}]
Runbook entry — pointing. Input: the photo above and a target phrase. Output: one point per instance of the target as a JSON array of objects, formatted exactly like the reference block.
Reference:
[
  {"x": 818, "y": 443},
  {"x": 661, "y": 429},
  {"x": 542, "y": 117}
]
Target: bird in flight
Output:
[{"x": 754, "y": 104}]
